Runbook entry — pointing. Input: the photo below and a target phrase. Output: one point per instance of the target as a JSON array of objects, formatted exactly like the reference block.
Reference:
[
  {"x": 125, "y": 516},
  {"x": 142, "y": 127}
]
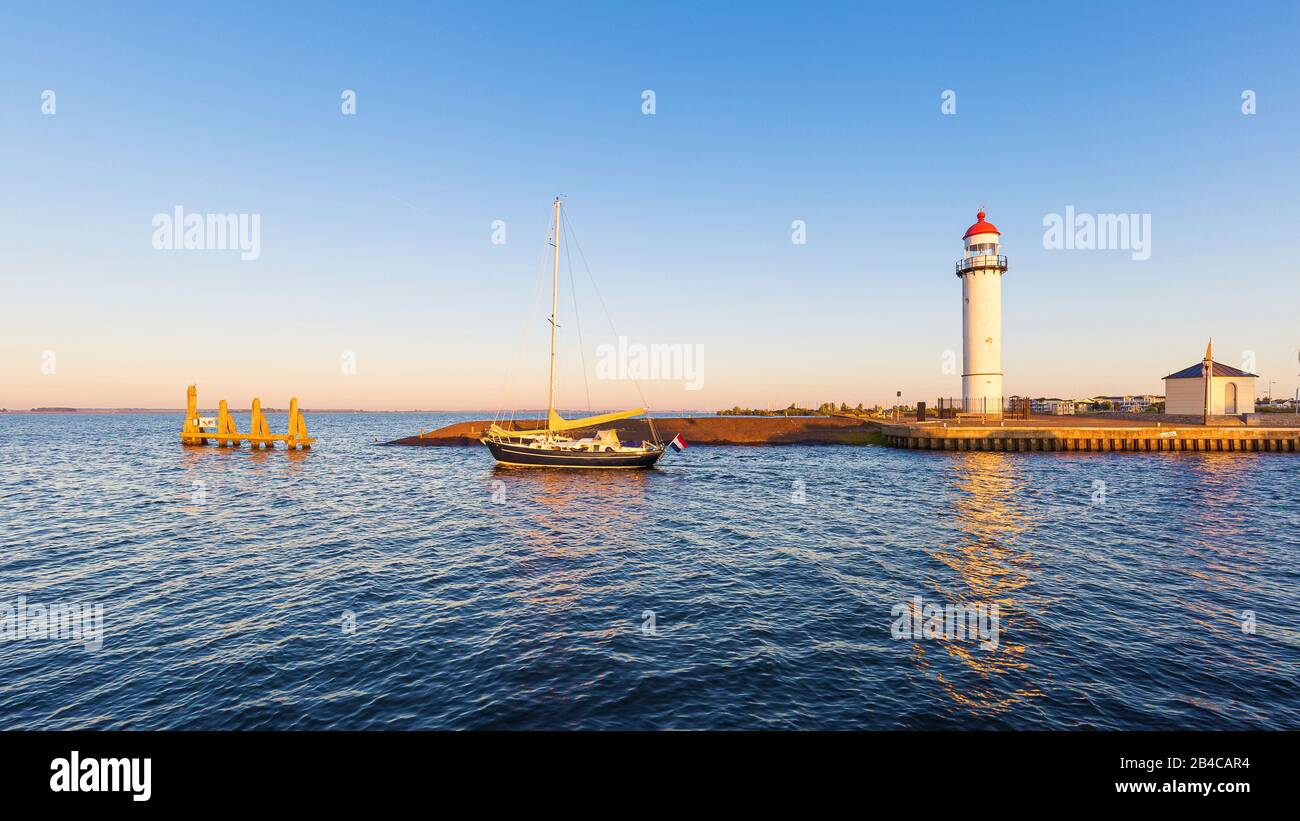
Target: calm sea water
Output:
[{"x": 358, "y": 586}]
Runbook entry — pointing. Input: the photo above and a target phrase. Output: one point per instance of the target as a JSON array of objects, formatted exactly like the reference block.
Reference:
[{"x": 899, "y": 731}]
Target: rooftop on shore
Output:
[{"x": 1073, "y": 422}]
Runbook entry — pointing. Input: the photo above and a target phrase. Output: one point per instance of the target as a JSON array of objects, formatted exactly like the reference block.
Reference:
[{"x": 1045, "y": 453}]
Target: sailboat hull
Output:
[{"x": 523, "y": 456}]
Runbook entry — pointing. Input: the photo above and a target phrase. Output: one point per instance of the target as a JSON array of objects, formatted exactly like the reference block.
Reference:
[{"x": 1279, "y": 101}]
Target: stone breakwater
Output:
[
  {"x": 1036, "y": 434},
  {"x": 705, "y": 430}
]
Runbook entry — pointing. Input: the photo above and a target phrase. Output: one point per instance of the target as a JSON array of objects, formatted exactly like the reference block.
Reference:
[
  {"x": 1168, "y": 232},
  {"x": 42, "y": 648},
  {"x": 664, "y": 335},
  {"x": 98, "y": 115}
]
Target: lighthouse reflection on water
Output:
[{"x": 991, "y": 569}]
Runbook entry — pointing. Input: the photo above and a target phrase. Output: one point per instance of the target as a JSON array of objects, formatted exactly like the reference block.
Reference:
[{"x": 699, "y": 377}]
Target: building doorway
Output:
[{"x": 1230, "y": 398}]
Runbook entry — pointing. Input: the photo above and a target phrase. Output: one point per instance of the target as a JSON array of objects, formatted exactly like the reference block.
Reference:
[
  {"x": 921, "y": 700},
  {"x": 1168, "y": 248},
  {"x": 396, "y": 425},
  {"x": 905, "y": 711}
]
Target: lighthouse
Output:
[{"x": 980, "y": 270}]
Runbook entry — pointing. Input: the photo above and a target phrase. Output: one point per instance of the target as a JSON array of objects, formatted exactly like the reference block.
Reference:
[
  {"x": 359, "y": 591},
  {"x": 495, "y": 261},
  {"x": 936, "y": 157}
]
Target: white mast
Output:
[{"x": 555, "y": 304}]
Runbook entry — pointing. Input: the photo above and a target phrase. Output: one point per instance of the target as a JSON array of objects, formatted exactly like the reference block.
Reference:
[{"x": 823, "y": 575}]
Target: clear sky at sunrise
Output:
[{"x": 376, "y": 227}]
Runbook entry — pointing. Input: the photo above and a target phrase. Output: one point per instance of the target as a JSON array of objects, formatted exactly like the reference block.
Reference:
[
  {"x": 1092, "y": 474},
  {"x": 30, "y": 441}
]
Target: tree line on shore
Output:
[{"x": 824, "y": 409}]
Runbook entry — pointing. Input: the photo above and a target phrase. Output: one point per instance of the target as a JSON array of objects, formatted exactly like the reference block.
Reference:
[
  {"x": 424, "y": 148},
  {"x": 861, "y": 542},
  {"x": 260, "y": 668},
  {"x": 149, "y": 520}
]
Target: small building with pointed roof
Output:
[{"x": 1232, "y": 391}]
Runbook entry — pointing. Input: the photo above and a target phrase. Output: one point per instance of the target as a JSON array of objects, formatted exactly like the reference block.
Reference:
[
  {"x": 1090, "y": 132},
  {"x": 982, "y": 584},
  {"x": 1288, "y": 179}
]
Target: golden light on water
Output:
[{"x": 990, "y": 569}]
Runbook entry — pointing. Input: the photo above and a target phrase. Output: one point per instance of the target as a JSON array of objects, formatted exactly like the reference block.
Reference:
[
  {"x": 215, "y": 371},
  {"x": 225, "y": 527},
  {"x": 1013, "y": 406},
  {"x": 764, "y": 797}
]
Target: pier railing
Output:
[{"x": 948, "y": 407}]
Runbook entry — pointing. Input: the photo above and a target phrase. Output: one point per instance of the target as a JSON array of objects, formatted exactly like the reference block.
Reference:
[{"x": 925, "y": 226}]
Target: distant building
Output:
[
  {"x": 1128, "y": 403},
  {"x": 1140, "y": 403},
  {"x": 1232, "y": 391},
  {"x": 1280, "y": 404},
  {"x": 1052, "y": 406}
]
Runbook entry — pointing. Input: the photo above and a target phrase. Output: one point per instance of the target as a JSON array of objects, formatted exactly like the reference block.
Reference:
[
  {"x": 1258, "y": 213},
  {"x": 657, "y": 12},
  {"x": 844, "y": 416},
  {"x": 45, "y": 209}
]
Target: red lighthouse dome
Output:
[{"x": 981, "y": 227}]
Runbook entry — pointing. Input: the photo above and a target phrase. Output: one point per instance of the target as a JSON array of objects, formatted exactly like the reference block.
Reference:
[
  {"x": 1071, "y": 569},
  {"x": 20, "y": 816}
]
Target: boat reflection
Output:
[
  {"x": 559, "y": 524},
  {"x": 571, "y": 512},
  {"x": 989, "y": 568}
]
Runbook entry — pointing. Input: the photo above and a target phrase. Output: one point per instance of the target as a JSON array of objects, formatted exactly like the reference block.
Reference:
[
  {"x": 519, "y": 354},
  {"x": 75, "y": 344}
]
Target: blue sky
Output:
[{"x": 376, "y": 227}]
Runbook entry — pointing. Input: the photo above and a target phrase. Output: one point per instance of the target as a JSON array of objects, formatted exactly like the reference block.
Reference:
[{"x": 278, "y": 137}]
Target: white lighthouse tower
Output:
[{"x": 980, "y": 270}]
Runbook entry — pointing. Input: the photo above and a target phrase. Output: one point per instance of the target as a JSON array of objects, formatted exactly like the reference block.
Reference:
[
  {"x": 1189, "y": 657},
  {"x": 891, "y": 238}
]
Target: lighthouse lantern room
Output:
[{"x": 980, "y": 270}]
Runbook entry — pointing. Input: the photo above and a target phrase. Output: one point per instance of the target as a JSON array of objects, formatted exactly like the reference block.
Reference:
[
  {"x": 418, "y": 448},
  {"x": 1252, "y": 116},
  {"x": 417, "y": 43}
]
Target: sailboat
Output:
[{"x": 548, "y": 445}]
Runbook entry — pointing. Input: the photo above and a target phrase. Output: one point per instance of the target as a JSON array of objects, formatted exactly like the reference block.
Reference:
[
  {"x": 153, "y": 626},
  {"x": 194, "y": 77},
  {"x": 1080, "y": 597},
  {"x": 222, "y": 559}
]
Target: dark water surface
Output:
[{"x": 731, "y": 588}]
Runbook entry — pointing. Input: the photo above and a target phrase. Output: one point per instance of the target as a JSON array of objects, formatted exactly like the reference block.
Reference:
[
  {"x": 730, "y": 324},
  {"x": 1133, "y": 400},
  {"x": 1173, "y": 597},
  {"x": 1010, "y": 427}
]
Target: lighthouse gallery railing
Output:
[{"x": 983, "y": 261}]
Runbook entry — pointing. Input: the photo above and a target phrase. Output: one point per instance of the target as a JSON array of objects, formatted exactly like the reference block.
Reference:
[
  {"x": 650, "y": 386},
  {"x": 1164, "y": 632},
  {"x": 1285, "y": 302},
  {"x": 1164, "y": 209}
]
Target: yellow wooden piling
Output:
[
  {"x": 226, "y": 427},
  {"x": 297, "y": 427},
  {"x": 191, "y": 425},
  {"x": 258, "y": 426}
]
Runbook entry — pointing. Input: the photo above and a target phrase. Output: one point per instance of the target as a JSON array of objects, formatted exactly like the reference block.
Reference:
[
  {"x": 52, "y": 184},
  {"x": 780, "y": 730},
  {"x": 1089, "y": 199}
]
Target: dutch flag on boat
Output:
[{"x": 678, "y": 443}]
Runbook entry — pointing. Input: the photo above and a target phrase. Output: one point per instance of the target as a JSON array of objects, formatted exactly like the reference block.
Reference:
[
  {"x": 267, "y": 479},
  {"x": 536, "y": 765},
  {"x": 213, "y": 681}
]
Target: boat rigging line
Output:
[{"x": 635, "y": 383}]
